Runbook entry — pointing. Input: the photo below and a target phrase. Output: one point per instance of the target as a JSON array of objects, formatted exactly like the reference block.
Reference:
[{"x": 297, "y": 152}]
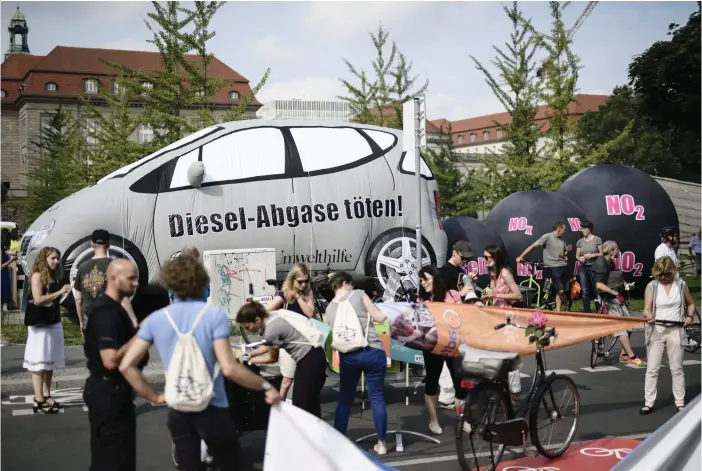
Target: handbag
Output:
[{"x": 41, "y": 316}]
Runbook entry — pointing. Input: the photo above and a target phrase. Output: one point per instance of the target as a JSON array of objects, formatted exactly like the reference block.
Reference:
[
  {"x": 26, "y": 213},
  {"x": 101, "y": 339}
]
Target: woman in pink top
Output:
[
  {"x": 433, "y": 288},
  {"x": 504, "y": 291}
]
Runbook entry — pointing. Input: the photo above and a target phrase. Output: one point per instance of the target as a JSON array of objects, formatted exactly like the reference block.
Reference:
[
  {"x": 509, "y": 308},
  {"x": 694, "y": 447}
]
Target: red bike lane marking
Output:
[{"x": 597, "y": 455}]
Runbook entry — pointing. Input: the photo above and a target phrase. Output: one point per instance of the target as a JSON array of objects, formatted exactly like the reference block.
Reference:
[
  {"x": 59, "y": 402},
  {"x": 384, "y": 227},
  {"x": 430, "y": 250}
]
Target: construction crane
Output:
[{"x": 571, "y": 32}]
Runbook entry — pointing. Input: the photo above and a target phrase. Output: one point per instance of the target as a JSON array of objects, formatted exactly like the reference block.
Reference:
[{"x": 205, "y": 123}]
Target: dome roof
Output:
[{"x": 18, "y": 16}]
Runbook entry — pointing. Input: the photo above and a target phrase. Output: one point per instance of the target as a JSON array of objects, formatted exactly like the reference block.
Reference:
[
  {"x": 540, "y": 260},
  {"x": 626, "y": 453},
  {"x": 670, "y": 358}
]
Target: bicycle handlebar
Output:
[
  {"x": 550, "y": 333},
  {"x": 664, "y": 322},
  {"x": 247, "y": 346}
]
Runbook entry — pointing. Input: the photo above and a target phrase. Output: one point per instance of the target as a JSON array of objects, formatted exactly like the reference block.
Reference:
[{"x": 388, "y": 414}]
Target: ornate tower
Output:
[{"x": 18, "y": 26}]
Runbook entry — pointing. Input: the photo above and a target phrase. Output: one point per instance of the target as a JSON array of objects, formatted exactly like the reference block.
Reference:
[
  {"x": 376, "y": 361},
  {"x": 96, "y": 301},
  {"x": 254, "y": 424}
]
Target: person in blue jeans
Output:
[{"x": 370, "y": 360}]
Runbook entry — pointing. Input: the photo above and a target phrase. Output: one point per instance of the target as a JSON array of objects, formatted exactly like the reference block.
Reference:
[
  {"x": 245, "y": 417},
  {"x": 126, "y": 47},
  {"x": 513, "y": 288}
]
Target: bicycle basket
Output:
[{"x": 484, "y": 364}]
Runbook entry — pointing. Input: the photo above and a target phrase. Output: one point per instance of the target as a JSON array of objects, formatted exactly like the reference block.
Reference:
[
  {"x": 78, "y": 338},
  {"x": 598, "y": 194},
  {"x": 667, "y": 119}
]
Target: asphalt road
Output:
[{"x": 610, "y": 400}]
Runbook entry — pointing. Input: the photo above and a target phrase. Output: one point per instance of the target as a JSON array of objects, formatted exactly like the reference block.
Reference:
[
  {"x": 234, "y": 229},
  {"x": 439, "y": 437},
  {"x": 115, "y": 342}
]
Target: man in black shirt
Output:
[
  {"x": 108, "y": 334},
  {"x": 451, "y": 272},
  {"x": 91, "y": 278}
]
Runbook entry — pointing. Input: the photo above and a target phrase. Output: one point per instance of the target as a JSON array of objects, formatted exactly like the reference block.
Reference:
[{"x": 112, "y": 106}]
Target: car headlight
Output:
[{"x": 41, "y": 234}]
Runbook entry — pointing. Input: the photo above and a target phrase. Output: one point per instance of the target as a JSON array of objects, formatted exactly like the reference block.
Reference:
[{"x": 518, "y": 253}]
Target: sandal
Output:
[
  {"x": 53, "y": 402},
  {"x": 635, "y": 360},
  {"x": 645, "y": 410},
  {"x": 44, "y": 407}
]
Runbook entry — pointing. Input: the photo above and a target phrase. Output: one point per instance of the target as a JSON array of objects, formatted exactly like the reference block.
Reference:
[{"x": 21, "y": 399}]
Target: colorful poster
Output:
[{"x": 443, "y": 327}]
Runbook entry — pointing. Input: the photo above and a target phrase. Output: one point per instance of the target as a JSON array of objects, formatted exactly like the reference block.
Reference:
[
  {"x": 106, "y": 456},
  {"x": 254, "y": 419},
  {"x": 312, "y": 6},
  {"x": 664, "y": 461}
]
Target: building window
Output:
[
  {"x": 90, "y": 131},
  {"x": 144, "y": 134},
  {"x": 486, "y": 135},
  {"x": 459, "y": 139},
  {"x": 473, "y": 137},
  {"x": 51, "y": 86},
  {"x": 90, "y": 86},
  {"x": 45, "y": 125},
  {"x": 499, "y": 133},
  {"x": 233, "y": 95},
  {"x": 146, "y": 86},
  {"x": 3, "y": 93},
  {"x": 116, "y": 89}
]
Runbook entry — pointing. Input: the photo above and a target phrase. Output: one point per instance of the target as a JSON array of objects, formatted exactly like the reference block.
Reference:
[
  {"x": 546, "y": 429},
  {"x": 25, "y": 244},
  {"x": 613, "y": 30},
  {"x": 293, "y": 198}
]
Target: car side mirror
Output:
[{"x": 196, "y": 174}]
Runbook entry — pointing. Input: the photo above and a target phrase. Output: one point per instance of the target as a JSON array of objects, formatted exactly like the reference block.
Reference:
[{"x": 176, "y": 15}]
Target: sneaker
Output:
[
  {"x": 637, "y": 362},
  {"x": 435, "y": 429},
  {"x": 380, "y": 449},
  {"x": 467, "y": 428}
]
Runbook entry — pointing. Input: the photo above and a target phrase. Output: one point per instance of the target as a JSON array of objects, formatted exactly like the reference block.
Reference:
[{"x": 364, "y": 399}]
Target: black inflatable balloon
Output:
[
  {"x": 627, "y": 206},
  {"x": 522, "y": 218},
  {"x": 479, "y": 235}
]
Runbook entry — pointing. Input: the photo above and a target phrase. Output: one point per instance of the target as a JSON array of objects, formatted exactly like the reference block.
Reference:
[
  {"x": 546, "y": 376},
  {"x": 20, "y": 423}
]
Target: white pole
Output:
[{"x": 418, "y": 169}]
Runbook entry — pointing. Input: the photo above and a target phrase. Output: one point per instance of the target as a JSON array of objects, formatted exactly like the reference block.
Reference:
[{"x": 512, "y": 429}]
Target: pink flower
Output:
[{"x": 538, "y": 319}]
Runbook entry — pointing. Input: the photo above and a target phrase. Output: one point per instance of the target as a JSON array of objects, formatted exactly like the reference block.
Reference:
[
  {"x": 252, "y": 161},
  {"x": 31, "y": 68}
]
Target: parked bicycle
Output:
[
  {"x": 603, "y": 346},
  {"x": 533, "y": 295},
  {"x": 488, "y": 415}
]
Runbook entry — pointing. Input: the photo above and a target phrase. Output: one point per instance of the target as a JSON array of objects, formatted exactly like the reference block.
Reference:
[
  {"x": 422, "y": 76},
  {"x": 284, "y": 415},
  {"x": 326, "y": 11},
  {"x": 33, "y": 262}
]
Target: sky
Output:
[{"x": 304, "y": 43}]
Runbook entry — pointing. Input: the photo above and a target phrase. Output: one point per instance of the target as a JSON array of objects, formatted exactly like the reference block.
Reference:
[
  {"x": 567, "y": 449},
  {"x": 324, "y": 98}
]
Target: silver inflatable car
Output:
[{"x": 335, "y": 196}]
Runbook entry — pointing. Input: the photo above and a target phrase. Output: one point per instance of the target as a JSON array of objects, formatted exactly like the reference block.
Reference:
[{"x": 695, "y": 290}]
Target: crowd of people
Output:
[{"x": 116, "y": 345}]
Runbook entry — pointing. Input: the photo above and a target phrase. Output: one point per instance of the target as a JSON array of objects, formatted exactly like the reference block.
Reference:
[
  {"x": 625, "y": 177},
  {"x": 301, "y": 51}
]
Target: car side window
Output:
[
  {"x": 407, "y": 165},
  {"x": 385, "y": 140},
  {"x": 241, "y": 155},
  {"x": 328, "y": 148}
]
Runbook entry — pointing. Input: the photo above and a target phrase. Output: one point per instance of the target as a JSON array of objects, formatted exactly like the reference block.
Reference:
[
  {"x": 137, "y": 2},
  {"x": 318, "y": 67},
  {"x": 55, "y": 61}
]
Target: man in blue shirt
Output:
[
  {"x": 187, "y": 279},
  {"x": 696, "y": 248}
]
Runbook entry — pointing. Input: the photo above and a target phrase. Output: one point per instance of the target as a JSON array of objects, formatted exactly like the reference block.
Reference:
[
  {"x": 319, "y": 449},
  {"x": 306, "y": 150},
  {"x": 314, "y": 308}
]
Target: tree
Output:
[
  {"x": 456, "y": 199},
  {"x": 517, "y": 89},
  {"x": 666, "y": 79},
  {"x": 379, "y": 101},
  {"x": 61, "y": 168},
  {"x": 109, "y": 140}
]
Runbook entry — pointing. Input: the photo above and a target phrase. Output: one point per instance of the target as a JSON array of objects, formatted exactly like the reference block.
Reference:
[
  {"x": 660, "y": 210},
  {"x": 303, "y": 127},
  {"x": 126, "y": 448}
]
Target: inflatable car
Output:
[{"x": 332, "y": 195}]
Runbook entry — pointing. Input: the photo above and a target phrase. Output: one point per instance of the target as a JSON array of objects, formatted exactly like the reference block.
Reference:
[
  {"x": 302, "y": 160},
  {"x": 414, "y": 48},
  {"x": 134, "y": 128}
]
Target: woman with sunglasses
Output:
[
  {"x": 296, "y": 296},
  {"x": 504, "y": 291},
  {"x": 667, "y": 298}
]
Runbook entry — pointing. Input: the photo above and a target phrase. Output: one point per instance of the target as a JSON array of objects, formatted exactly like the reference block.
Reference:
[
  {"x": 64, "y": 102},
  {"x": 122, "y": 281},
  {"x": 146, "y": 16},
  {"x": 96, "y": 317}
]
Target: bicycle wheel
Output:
[
  {"x": 476, "y": 446},
  {"x": 692, "y": 335},
  {"x": 593, "y": 352},
  {"x": 550, "y": 408}
]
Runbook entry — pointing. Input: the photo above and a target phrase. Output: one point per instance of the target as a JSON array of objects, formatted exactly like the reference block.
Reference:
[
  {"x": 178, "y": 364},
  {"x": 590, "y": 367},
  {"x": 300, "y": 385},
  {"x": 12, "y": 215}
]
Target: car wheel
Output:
[
  {"x": 395, "y": 250},
  {"x": 82, "y": 251}
]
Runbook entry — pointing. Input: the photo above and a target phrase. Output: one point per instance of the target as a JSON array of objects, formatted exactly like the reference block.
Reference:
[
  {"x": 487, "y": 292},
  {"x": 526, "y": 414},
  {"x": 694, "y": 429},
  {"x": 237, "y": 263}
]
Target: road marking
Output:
[
  {"x": 31, "y": 412},
  {"x": 601, "y": 368},
  {"x": 85, "y": 408},
  {"x": 691, "y": 362},
  {"x": 637, "y": 367},
  {"x": 560, "y": 372},
  {"x": 523, "y": 375},
  {"x": 439, "y": 459}
]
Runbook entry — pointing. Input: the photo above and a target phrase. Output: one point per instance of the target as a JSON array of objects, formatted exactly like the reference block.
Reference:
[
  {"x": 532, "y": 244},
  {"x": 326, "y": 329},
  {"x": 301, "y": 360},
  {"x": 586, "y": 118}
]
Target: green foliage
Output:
[
  {"x": 661, "y": 109},
  {"x": 378, "y": 101},
  {"x": 112, "y": 145},
  {"x": 61, "y": 166},
  {"x": 560, "y": 74},
  {"x": 456, "y": 197},
  {"x": 516, "y": 167}
]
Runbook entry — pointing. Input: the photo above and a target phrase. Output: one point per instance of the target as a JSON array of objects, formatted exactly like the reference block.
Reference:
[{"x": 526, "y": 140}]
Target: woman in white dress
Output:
[{"x": 45, "y": 350}]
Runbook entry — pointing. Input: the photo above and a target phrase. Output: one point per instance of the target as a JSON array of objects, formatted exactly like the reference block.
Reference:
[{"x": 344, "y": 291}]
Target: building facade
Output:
[
  {"x": 306, "y": 109},
  {"x": 34, "y": 86},
  {"x": 475, "y": 137}
]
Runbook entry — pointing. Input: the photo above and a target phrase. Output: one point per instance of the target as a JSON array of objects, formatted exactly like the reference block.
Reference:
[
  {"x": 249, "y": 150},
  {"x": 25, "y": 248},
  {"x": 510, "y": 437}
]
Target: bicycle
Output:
[
  {"x": 603, "y": 346},
  {"x": 488, "y": 414},
  {"x": 531, "y": 285},
  {"x": 691, "y": 342},
  {"x": 247, "y": 408}
]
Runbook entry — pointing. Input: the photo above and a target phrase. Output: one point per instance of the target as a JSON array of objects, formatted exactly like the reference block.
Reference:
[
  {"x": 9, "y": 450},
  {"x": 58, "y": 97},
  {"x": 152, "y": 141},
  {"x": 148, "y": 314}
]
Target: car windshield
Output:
[{"x": 182, "y": 142}]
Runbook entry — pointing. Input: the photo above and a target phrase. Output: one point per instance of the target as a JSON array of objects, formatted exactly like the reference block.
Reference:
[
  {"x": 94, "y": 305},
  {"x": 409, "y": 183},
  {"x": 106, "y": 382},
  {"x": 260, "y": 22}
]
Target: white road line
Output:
[
  {"x": 439, "y": 459},
  {"x": 85, "y": 408},
  {"x": 561, "y": 372},
  {"x": 601, "y": 368},
  {"x": 637, "y": 367},
  {"x": 691, "y": 362},
  {"x": 31, "y": 412},
  {"x": 523, "y": 375}
]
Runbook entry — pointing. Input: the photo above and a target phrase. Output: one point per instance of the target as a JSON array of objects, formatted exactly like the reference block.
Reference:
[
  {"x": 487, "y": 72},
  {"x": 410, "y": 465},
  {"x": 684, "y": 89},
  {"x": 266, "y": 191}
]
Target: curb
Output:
[{"x": 69, "y": 381}]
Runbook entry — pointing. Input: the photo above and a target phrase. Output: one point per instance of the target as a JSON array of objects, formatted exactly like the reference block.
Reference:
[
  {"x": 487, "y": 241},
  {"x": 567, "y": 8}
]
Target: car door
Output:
[
  {"x": 338, "y": 164},
  {"x": 243, "y": 202}
]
